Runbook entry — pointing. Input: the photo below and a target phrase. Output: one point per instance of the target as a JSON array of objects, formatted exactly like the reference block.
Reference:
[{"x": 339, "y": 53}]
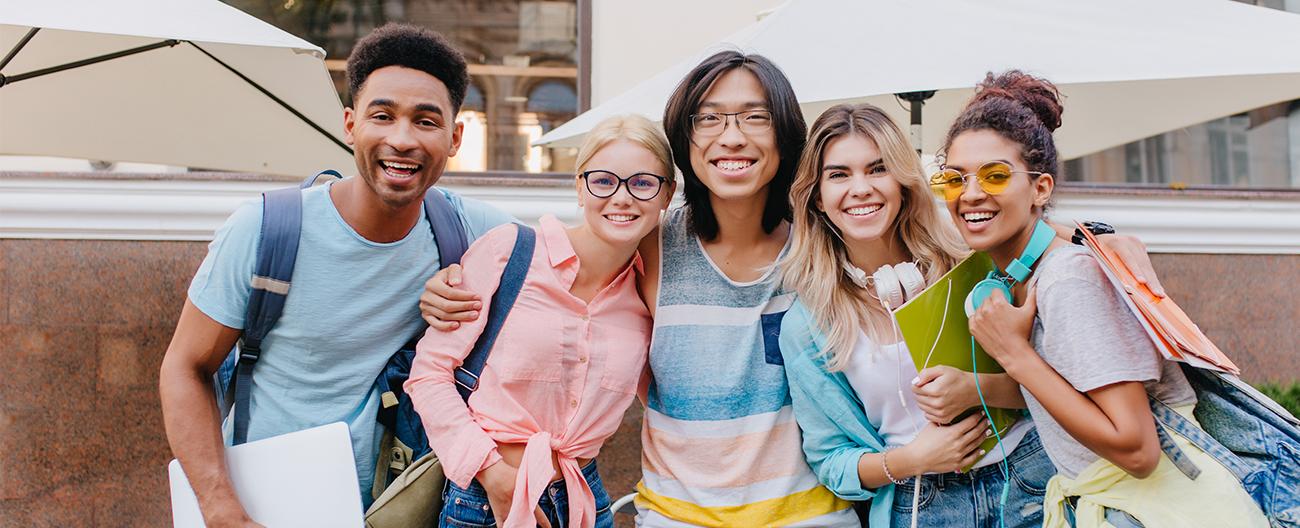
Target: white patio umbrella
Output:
[
  {"x": 1128, "y": 68},
  {"x": 193, "y": 83}
]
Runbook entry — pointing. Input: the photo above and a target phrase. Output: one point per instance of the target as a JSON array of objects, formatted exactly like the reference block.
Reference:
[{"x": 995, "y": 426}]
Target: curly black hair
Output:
[
  {"x": 1022, "y": 108},
  {"x": 412, "y": 47}
]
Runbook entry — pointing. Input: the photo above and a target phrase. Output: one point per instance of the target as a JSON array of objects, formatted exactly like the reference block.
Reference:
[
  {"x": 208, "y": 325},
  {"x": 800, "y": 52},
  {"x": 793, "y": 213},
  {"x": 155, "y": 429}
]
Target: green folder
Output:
[{"x": 935, "y": 328}]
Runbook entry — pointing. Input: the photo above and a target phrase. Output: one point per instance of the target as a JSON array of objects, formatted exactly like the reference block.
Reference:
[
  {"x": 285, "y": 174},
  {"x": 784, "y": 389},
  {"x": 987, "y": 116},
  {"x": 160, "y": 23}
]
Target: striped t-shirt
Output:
[{"x": 720, "y": 446}]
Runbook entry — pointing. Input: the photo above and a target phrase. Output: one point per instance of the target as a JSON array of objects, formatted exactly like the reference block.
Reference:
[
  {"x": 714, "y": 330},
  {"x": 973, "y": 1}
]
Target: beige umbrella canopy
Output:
[
  {"x": 1129, "y": 69},
  {"x": 193, "y": 83}
]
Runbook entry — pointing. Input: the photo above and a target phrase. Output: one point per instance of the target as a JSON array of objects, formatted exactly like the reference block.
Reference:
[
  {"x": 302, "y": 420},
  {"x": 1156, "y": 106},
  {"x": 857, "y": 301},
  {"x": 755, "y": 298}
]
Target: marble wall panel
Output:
[{"x": 84, "y": 325}]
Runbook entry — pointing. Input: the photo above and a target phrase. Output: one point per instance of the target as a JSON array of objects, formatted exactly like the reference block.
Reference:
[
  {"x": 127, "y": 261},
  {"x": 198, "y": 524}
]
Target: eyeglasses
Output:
[
  {"x": 993, "y": 178},
  {"x": 642, "y": 185},
  {"x": 709, "y": 124}
]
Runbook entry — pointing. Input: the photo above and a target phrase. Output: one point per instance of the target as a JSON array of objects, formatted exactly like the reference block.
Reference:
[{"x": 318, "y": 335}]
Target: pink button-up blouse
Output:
[{"x": 558, "y": 379}]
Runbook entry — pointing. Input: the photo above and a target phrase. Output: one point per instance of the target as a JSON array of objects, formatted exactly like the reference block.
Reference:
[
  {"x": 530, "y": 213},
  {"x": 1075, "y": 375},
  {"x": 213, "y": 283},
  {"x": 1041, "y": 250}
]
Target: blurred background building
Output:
[{"x": 95, "y": 257}]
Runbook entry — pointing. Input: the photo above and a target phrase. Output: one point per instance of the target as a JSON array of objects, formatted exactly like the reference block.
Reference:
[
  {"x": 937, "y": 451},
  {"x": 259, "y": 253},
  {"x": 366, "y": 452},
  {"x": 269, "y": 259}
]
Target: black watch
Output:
[{"x": 1096, "y": 228}]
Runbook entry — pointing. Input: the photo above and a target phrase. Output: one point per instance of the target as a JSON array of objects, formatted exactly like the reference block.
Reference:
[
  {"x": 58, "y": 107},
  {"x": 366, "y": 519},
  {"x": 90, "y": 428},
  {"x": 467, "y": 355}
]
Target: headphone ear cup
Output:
[
  {"x": 888, "y": 289},
  {"x": 909, "y": 275},
  {"x": 981, "y": 292}
]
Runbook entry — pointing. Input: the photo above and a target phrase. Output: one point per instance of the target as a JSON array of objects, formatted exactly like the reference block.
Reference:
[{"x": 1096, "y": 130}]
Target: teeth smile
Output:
[
  {"x": 982, "y": 216},
  {"x": 864, "y": 210},
  {"x": 734, "y": 165},
  {"x": 621, "y": 217},
  {"x": 399, "y": 169}
]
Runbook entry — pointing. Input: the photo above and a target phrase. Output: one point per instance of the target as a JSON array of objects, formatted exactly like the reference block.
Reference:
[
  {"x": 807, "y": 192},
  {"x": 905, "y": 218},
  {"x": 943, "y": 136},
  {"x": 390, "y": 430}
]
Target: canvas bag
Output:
[{"x": 408, "y": 478}]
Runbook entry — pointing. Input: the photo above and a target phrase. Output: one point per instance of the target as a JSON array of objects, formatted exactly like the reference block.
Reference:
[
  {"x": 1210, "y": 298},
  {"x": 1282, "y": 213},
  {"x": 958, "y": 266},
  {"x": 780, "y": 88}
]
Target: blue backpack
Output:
[{"x": 405, "y": 440}]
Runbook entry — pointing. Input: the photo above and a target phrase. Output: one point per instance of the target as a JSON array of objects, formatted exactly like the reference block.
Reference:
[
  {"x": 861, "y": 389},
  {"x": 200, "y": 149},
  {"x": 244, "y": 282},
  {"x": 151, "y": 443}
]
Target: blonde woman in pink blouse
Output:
[{"x": 569, "y": 357}]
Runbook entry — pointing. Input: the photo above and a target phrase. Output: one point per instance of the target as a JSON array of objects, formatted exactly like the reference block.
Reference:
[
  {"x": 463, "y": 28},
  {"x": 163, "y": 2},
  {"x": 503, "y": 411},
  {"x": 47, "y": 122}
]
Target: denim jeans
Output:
[
  {"x": 468, "y": 508},
  {"x": 1116, "y": 518},
  {"x": 972, "y": 498}
]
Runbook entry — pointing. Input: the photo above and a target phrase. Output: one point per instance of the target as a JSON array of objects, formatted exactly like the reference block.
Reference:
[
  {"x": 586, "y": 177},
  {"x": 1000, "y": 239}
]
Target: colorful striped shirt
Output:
[{"x": 720, "y": 446}]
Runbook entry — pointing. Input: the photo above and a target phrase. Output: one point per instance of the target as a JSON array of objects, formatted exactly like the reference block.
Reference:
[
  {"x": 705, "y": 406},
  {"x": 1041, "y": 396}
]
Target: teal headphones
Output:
[{"x": 1017, "y": 271}]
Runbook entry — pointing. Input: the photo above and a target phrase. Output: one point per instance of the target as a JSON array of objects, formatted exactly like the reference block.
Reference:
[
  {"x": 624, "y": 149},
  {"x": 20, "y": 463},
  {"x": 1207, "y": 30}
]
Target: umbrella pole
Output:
[
  {"x": 917, "y": 100},
  {"x": 14, "y": 52}
]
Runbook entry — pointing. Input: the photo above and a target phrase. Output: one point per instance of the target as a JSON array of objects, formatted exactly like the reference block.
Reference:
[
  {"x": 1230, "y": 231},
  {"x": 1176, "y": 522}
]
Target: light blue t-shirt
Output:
[{"x": 352, "y": 304}]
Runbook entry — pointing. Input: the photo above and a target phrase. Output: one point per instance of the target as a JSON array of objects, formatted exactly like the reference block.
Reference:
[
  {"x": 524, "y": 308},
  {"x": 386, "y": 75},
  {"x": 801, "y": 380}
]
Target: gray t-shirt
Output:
[{"x": 1086, "y": 332}]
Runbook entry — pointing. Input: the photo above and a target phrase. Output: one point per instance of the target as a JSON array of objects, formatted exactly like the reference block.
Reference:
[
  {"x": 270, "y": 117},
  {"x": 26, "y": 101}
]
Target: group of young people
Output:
[{"x": 753, "y": 322}]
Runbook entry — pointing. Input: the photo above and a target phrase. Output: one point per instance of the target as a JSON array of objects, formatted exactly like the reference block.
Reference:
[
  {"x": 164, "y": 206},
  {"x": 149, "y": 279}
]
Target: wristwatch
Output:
[{"x": 1096, "y": 228}]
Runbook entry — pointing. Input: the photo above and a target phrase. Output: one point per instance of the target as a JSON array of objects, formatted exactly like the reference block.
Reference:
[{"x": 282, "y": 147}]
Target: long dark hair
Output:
[
  {"x": 1020, "y": 107},
  {"x": 787, "y": 124}
]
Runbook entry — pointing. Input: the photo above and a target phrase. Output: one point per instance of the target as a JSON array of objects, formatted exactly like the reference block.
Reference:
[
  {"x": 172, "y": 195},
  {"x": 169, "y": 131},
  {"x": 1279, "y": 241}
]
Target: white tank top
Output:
[{"x": 878, "y": 373}]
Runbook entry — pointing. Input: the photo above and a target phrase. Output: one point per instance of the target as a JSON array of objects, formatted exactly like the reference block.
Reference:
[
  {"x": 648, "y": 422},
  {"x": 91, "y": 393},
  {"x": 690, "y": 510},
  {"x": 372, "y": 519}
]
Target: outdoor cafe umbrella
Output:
[
  {"x": 1129, "y": 68},
  {"x": 194, "y": 83}
]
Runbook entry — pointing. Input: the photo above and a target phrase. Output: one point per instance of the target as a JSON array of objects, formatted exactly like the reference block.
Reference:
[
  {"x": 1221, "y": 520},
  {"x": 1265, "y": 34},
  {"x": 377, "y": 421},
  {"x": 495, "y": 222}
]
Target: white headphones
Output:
[{"x": 894, "y": 285}]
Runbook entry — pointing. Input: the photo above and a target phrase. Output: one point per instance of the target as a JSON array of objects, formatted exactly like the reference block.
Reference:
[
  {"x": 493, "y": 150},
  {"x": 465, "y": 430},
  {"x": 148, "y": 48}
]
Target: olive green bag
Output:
[
  {"x": 408, "y": 493},
  {"x": 414, "y": 496}
]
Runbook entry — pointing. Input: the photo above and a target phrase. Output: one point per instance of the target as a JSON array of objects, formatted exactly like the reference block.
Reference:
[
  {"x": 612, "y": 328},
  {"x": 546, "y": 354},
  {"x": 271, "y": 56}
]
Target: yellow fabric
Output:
[
  {"x": 1167, "y": 498},
  {"x": 780, "y": 511}
]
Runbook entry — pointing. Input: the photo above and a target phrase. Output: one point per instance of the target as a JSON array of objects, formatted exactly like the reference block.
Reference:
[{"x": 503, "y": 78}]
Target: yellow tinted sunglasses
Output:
[{"x": 993, "y": 178}]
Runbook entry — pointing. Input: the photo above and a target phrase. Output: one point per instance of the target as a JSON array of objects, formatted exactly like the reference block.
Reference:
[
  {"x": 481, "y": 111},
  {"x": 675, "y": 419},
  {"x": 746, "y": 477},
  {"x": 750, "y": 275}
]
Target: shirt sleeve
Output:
[
  {"x": 477, "y": 216},
  {"x": 830, "y": 451},
  {"x": 1089, "y": 334},
  {"x": 460, "y": 443},
  {"x": 221, "y": 287}
]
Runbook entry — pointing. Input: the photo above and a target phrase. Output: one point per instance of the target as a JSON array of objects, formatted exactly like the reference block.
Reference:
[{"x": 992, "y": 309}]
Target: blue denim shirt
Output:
[
  {"x": 1251, "y": 435},
  {"x": 836, "y": 432}
]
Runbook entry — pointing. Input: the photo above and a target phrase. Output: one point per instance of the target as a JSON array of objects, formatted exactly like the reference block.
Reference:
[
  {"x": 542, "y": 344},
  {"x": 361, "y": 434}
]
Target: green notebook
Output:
[{"x": 934, "y": 326}]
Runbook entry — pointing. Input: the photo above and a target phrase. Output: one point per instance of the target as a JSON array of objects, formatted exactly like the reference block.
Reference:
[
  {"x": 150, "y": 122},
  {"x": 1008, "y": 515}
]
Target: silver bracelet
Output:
[{"x": 885, "y": 464}]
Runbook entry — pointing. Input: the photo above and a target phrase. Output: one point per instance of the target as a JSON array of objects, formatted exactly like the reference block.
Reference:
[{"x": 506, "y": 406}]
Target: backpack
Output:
[
  {"x": 1256, "y": 439},
  {"x": 408, "y": 477},
  {"x": 409, "y": 481}
]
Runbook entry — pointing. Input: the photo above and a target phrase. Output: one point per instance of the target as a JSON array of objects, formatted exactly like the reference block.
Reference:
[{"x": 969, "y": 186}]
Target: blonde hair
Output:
[
  {"x": 630, "y": 127},
  {"x": 814, "y": 266}
]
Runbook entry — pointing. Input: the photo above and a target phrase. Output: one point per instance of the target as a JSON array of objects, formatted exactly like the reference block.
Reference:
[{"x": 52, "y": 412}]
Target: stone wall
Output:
[{"x": 84, "y": 325}]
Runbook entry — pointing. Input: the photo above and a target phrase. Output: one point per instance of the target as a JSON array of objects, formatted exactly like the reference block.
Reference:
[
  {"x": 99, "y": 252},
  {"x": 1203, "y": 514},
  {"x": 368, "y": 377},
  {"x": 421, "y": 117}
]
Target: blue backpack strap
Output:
[
  {"x": 448, "y": 232},
  {"x": 276, "y": 254},
  {"x": 311, "y": 180},
  {"x": 512, "y": 280}
]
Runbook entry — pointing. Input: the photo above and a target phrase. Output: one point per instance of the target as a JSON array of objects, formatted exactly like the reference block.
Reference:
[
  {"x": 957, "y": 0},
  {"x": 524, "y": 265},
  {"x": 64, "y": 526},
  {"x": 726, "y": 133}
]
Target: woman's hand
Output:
[
  {"x": 1134, "y": 254},
  {"x": 946, "y": 448},
  {"x": 443, "y": 304},
  {"x": 944, "y": 392},
  {"x": 498, "y": 480},
  {"x": 1003, "y": 329}
]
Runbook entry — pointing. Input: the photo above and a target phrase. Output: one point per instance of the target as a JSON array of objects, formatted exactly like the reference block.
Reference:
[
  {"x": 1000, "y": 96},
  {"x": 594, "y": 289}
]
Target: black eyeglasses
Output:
[
  {"x": 709, "y": 124},
  {"x": 642, "y": 185}
]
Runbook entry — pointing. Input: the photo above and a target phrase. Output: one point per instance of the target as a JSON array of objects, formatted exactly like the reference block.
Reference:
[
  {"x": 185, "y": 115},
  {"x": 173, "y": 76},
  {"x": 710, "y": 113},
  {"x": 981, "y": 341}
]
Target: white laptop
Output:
[{"x": 305, "y": 478}]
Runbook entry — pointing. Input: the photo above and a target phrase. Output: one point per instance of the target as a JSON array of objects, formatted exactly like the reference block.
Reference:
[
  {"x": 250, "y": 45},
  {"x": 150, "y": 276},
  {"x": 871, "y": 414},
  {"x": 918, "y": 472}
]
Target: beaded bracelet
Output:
[{"x": 885, "y": 464}]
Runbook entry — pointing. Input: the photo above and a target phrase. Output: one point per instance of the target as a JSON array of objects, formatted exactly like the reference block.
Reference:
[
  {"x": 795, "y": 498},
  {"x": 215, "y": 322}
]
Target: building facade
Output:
[{"x": 94, "y": 264}]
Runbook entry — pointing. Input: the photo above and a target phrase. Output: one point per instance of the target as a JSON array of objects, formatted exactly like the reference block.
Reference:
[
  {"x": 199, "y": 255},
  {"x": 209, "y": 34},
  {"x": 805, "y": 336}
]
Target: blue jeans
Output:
[
  {"x": 468, "y": 508},
  {"x": 972, "y": 499}
]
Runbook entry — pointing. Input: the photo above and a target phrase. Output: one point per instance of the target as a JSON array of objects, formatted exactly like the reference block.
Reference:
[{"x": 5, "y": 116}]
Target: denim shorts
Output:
[
  {"x": 468, "y": 508},
  {"x": 972, "y": 499}
]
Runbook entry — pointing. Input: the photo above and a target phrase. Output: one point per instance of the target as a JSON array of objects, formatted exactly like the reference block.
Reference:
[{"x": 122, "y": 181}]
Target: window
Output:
[
  {"x": 523, "y": 61},
  {"x": 1256, "y": 149},
  {"x": 1250, "y": 150}
]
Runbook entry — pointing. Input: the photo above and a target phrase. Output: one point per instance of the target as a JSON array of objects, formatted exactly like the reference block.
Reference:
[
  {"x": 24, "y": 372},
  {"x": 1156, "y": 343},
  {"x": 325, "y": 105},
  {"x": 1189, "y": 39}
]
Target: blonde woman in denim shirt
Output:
[{"x": 871, "y": 423}]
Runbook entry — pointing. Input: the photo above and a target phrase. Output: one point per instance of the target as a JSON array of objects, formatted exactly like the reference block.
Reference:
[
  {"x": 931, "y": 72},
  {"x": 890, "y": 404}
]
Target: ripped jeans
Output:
[{"x": 973, "y": 499}]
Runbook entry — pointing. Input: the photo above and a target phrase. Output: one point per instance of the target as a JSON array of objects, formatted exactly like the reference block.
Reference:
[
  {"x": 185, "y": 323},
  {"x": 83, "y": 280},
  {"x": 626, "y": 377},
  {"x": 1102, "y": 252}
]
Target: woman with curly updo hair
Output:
[{"x": 1088, "y": 371}]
